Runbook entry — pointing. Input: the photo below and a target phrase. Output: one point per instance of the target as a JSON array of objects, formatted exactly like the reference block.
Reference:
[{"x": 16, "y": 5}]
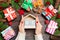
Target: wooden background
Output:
[{"x": 29, "y": 32}]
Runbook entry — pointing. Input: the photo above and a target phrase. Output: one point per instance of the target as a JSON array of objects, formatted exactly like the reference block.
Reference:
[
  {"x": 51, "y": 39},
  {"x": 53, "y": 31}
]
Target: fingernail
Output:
[
  {"x": 36, "y": 21},
  {"x": 22, "y": 22}
]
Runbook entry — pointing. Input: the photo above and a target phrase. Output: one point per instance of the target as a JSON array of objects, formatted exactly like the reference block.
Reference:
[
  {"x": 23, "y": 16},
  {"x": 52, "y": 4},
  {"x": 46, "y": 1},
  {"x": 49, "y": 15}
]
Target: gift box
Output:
[
  {"x": 10, "y": 13},
  {"x": 38, "y": 3},
  {"x": 29, "y": 21},
  {"x": 27, "y": 4},
  {"x": 8, "y": 33},
  {"x": 51, "y": 27},
  {"x": 49, "y": 12}
]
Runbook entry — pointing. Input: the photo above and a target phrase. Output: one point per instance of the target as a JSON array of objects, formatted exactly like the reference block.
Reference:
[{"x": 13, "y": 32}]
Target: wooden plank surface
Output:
[{"x": 29, "y": 33}]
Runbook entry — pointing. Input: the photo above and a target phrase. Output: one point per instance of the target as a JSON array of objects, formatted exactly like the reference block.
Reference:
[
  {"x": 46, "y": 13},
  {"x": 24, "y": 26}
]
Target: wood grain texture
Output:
[{"x": 29, "y": 33}]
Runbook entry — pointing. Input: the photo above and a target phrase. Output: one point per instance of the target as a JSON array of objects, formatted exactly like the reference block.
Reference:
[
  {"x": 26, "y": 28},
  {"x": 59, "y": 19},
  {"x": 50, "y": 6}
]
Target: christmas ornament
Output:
[
  {"x": 10, "y": 23},
  {"x": 49, "y": 2},
  {"x": 1, "y": 8},
  {"x": 10, "y": 13},
  {"x": 51, "y": 27},
  {"x": 16, "y": 0},
  {"x": 21, "y": 11},
  {"x": 46, "y": 21},
  {"x": 58, "y": 15}
]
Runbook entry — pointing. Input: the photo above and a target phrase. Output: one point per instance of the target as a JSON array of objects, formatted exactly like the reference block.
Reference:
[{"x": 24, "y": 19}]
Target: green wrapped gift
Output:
[{"x": 27, "y": 4}]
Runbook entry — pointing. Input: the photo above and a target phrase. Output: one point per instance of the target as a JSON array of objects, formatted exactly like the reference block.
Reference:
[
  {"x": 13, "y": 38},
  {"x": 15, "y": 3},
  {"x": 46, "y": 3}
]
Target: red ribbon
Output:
[{"x": 49, "y": 12}]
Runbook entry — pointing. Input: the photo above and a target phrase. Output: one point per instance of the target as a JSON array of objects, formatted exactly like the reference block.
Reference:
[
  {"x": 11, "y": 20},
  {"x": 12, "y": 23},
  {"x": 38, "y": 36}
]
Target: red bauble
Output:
[
  {"x": 58, "y": 16},
  {"x": 48, "y": 3},
  {"x": 1, "y": 7},
  {"x": 47, "y": 21},
  {"x": 10, "y": 23},
  {"x": 21, "y": 11},
  {"x": 16, "y": 0}
]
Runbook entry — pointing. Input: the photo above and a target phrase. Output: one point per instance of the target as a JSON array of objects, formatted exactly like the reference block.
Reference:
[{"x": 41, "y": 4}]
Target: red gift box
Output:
[
  {"x": 50, "y": 11},
  {"x": 10, "y": 13}
]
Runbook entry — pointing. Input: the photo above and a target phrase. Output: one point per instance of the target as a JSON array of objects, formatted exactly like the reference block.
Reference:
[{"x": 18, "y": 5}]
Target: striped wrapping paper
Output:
[{"x": 51, "y": 27}]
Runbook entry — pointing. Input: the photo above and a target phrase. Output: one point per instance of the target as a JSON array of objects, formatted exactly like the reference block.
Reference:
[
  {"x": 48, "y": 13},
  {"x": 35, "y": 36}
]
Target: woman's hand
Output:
[
  {"x": 21, "y": 26},
  {"x": 38, "y": 26}
]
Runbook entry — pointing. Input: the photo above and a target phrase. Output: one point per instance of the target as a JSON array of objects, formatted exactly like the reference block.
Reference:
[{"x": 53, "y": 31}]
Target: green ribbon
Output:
[{"x": 27, "y": 4}]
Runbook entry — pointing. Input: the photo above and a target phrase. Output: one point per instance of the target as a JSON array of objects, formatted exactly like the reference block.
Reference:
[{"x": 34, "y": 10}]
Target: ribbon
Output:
[
  {"x": 51, "y": 27},
  {"x": 50, "y": 10},
  {"x": 9, "y": 13}
]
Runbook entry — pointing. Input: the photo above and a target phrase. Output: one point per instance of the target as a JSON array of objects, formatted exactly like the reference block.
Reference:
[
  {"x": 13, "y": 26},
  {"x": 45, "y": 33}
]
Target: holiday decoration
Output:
[
  {"x": 10, "y": 23},
  {"x": 38, "y": 3},
  {"x": 46, "y": 21},
  {"x": 15, "y": 5},
  {"x": 1, "y": 14},
  {"x": 51, "y": 27},
  {"x": 30, "y": 21},
  {"x": 16, "y": 0},
  {"x": 4, "y": 5},
  {"x": 47, "y": 2},
  {"x": 57, "y": 19},
  {"x": 8, "y": 33},
  {"x": 10, "y": 13},
  {"x": 3, "y": 26},
  {"x": 1, "y": 8},
  {"x": 49, "y": 12},
  {"x": 27, "y": 5},
  {"x": 58, "y": 15},
  {"x": 21, "y": 11}
]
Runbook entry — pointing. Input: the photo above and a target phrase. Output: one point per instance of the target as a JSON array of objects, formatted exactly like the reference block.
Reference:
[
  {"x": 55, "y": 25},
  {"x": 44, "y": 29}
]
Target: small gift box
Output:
[
  {"x": 10, "y": 13},
  {"x": 38, "y": 3},
  {"x": 30, "y": 21},
  {"x": 49, "y": 12},
  {"x": 27, "y": 4},
  {"x": 51, "y": 27},
  {"x": 8, "y": 33}
]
